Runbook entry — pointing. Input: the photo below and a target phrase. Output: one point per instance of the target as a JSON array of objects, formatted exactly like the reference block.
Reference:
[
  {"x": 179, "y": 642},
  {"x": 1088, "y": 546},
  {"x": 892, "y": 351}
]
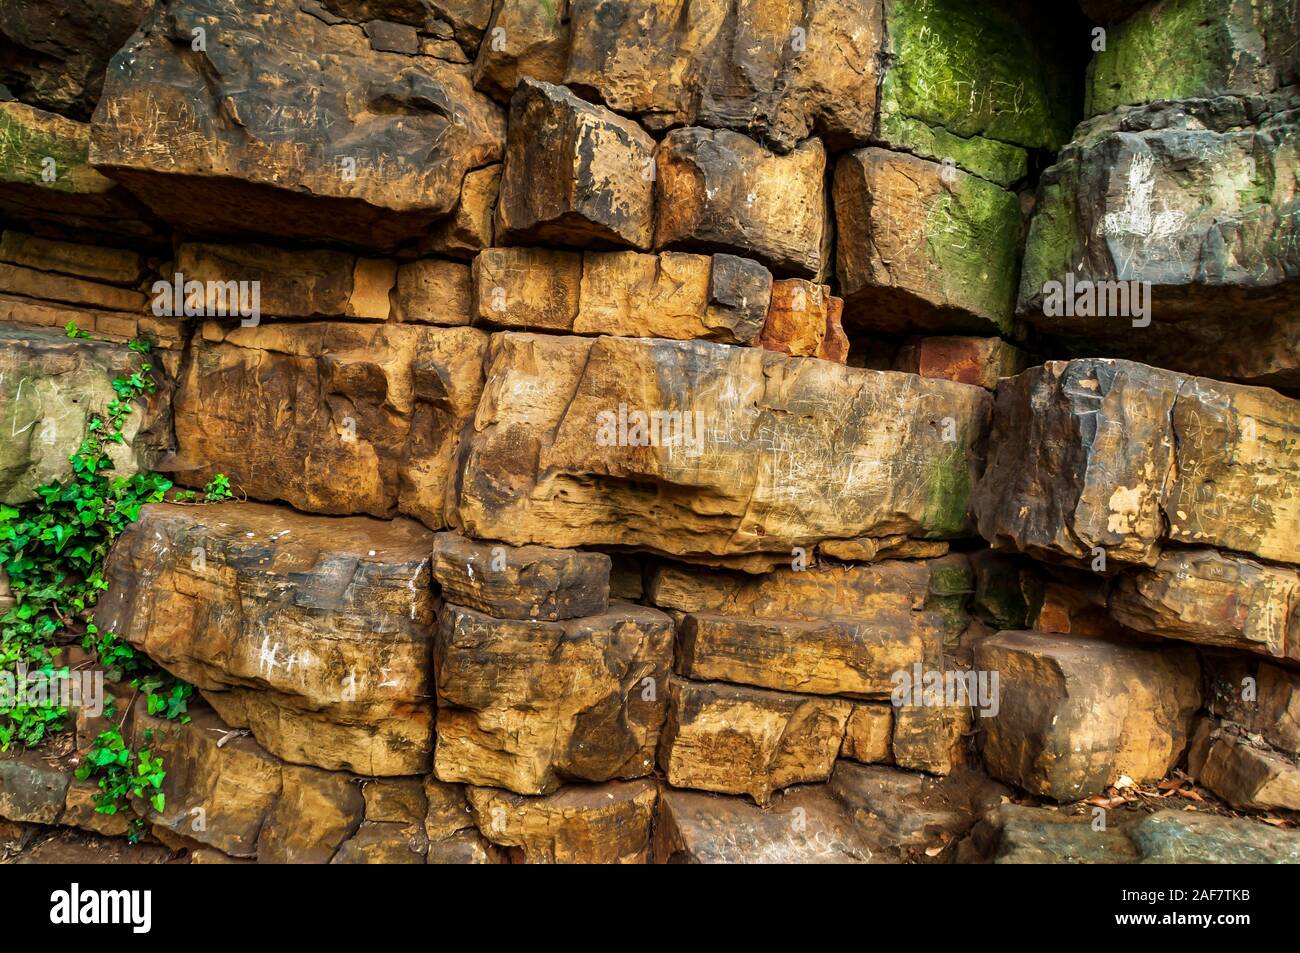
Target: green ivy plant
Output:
[{"x": 53, "y": 551}]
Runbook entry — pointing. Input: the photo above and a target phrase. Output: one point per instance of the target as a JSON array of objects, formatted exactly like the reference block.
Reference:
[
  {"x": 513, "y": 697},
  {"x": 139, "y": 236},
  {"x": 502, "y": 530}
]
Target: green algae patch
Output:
[
  {"x": 32, "y": 141},
  {"x": 948, "y": 491},
  {"x": 972, "y": 232}
]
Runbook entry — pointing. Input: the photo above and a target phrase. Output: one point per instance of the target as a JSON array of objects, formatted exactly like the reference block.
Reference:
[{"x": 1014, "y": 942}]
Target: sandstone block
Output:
[
  {"x": 762, "y": 438},
  {"x": 1248, "y": 776},
  {"x": 923, "y": 247},
  {"x": 720, "y": 191},
  {"x": 1076, "y": 713},
  {"x": 736, "y": 740},
  {"x": 574, "y": 173},
  {"x": 527, "y": 287},
  {"x": 315, "y": 633},
  {"x": 330, "y": 417},
  {"x": 1262, "y": 698},
  {"x": 431, "y": 291},
  {"x": 525, "y": 39},
  {"x": 526, "y": 582},
  {"x": 373, "y": 167},
  {"x": 867, "y": 734},
  {"x": 1120, "y": 456},
  {"x": 523, "y": 705},
  {"x": 118, "y": 266},
  {"x": 967, "y": 360},
  {"x": 803, "y": 320},
  {"x": 469, "y": 229}
]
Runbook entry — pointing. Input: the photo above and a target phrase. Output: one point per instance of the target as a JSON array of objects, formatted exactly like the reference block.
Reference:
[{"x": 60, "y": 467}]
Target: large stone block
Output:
[
  {"x": 737, "y": 740},
  {"x": 1192, "y": 49},
  {"x": 575, "y": 174},
  {"x": 313, "y": 632},
  {"x": 1246, "y": 774},
  {"x": 524, "y": 39},
  {"x": 923, "y": 247},
  {"x": 1101, "y": 454},
  {"x": 50, "y": 385},
  {"x": 581, "y": 824},
  {"x": 748, "y": 451},
  {"x": 777, "y": 71},
  {"x": 1203, "y": 596},
  {"x": 330, "y": 417},
  {"x": 721, "y": 191},
  {"x": 1077, "y": 713},
  {"x": 348, "y": 143},
  {"x": 1168, "y": 233},
  {"x": 523, "y": 705}
]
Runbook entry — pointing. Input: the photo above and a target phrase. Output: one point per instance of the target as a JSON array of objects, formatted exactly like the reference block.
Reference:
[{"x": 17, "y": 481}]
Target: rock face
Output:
[
  {"x": 313, "y": 632},
  {"x": 1166, "y": 233},
  {"x": 56, "y": 54},
  {"x": 575, "y": 173},
  {"x": 923, "y": 246},
  {"x": 348, "y": 418},
  {"x": 1116, "y": 456},
  {"x": 1077, "y": 713},
  {"x": 761, "y": 437},
  {"x": 523, "y": 705},
  {"x": 720, "y": 191},
  {"x": 49, "y": 388},
  {"x": 372, "y": 156}
]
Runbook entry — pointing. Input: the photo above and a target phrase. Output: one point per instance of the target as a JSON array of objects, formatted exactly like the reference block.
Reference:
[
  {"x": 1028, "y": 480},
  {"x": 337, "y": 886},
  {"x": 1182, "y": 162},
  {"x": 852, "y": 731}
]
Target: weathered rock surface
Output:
[
  {"x": 1244, "y": 772},
  {"x": 523, "y": 39},
  {"x": 1112, "y": 455},
  {"x": 1189, "y": 49},
  {"x": 1077, "y": 713},
  {"x": 967, "y": 360},
  {"x": 574, "y": 173},
  {"x": 737, "y": 740},
  {"x": 1262, "y": 698},
  {"x": 297, "y": 284},
  {"x": 313, "y": 632},
  {"x": 330, "y": 417},
  {"x": 779, "y": 452},
  {"x": 804, "y": 320},
  {"x": 1203, "y": 596},
  {"x": 1017, "y": 834},
  {"x": 56, "y": 53},
  {"x": 523, "y": 705},
  {"x": 50, "y": 386},
  {"x": 348, "y": 143},
  {"x": 526, "y": 582},
  {"x": 923, "y": 247},
  {"x": 1196, "y": 198},
  {"x": 584, "y": 824},
  {"x": 721, "y": 191},
  {"x": 432, "y": 291},
  {"x": 777, "y": 71}
]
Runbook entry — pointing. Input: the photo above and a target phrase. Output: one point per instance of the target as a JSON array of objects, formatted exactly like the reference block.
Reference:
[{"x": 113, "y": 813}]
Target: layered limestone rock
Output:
[
  {"x": 1167, "y": 233},
  {"x": 524, "y": 704},
  {"x": 922, "y": 246},
  {"x": 721, "y": 191},
  {"x": 330, "y": 417},
  {"x": 315, "y": 633},
  {"x": 50, "y": 387},
  {"x": 1076, "y": 714},
  {"x": 737, "y": 740},
  {"x": 747, "y": 451},
  {"x": 351, "y": 142},
  {"x": 1091, "y": 455},
  {"x": 589, "y": 824},
  {"x": 574, "y": 173}
]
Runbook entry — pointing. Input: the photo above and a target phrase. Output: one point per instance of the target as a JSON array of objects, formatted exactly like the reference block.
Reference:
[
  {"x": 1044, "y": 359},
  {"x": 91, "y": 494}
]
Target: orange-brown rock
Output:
[
  {"x": 1093, "y": 454},
  {"x": 350, "y": 143},
  {"x": 580, "y": 824},
  {"x": 1212, "y": 598},
  {"x": 699, "y": 448},
  {"x": 575, "y": 174},
  {"x": 469, "y": 229},
  {"x": 117, "y": 266},
  {"x": 720, "y": 191},
  {"x": 524, "y": 38},
  {"x": 313, "y": 632},
  {"x": 868, "y": 733},
  {"x": 1246, "y": 774},
  {"x": 330, "y": 417},
  {"x": 432, "y": 291},
  {"x": 739, "y": 740},
  {"x": 1262, "y": 698},
  {"x": 524, "y": 705},
  {"x": 803, "y": 320},
  {"x": 520, "y": 582},
  {"x": 978, "y": 361},
  {"x": 1077, "y": 713},
  {"x": 527, "y": 288}
]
